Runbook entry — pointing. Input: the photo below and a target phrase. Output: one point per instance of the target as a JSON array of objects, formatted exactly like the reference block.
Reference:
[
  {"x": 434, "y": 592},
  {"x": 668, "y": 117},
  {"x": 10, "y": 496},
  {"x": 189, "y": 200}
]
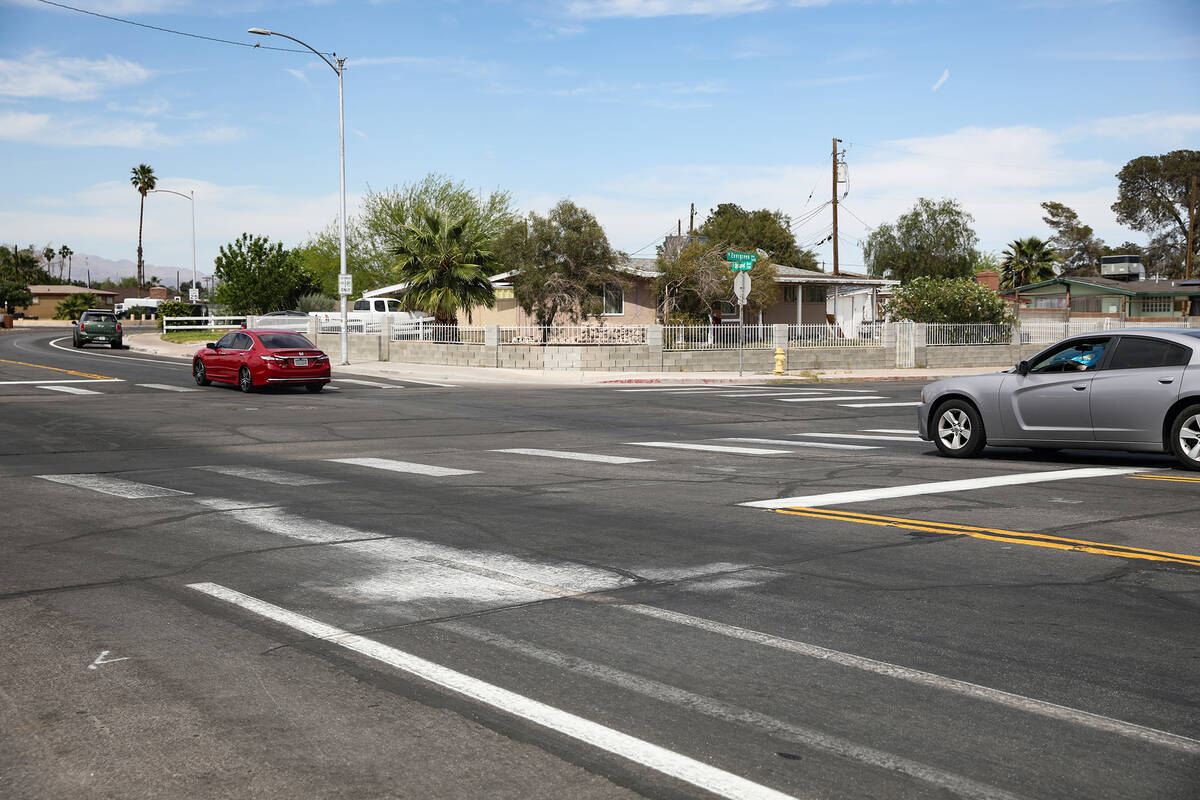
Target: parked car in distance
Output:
[
  {"x": 97, "y": 326},
  {"x": 262, "y": 357},
  {"x": 1135, "y": 389}
]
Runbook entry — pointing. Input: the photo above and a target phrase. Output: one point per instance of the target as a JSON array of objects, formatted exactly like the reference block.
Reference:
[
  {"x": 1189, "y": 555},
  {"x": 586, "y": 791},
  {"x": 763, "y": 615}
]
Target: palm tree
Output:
[
  {"x": 66, "y": 253},
  {"x": 446, "y": 262},
  {"x": 143, "y": 180},
  {"x": 1027, "y": 261},
  {"x": 48, "y": 255}
]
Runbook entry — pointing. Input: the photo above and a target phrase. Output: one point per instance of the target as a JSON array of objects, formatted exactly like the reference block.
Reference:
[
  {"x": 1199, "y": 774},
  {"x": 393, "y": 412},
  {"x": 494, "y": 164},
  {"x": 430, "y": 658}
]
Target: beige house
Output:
[
  {"x": 807, "y": 297},
  {"x": 46, "y": 300}
]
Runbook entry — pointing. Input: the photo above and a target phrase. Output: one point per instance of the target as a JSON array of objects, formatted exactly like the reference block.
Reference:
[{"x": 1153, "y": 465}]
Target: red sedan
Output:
[{"x": 253, "y": 358}]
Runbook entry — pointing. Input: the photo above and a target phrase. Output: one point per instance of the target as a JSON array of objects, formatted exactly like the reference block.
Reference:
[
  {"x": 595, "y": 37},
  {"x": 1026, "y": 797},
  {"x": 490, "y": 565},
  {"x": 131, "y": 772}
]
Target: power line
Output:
[
  {"x": 651, "y": 243},
  {"x": 851, "y": 213},
  {"x": 172, "y": 31}
]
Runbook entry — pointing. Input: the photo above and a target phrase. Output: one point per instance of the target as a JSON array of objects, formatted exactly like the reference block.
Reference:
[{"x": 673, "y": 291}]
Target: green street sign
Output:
[{"x": 740, "y": 262}]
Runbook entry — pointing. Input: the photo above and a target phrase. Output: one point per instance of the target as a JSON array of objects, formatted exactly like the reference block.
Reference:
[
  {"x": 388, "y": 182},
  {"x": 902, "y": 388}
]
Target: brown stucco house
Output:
[{"x": 47, "y": 297}]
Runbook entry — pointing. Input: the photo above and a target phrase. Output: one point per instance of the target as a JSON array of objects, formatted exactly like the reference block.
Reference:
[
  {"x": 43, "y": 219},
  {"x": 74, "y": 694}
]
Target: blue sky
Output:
[{"x": 633, "y": 108}]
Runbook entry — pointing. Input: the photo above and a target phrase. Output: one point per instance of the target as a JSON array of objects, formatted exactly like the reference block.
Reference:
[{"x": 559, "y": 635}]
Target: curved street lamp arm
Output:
[
  {"x": 316, "y": 52},
  {"x": 172, "y": 191}
]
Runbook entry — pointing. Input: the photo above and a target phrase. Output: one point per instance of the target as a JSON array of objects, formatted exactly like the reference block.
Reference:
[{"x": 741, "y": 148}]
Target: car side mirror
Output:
[
  {"x": 74, "y": 322},
  {"x": 212, "y": 346},
  {"x": 1022, "y": 367}
]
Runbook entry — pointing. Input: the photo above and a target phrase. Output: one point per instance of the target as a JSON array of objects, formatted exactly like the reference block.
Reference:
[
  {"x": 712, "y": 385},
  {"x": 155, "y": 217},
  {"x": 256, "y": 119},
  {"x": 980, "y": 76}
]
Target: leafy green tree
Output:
[
  {"x": 563, "y": 262},
  {"x": 1153, "y": 195},
  {"x": 20, "y": 266},
  {"x": 1076, "y": 245},
  {"x": 13, "y": 293},
  {"x": 143, "y": 180},
  {"x": 173, "y": 308},
  {"x": 958, "y": 300},
  {"x": 735, "y": 228},
  {"x": 256, "y": 276},
  {"x": 1027, "y": 261},
  {"x": 934, "y": 239},
  {"x": 321, "y": 260},
  {"x": 71, "y": 306},
  {"x": 446, "y": 262},
  {"x": 315, "y": 301},
  {"x": 694, "y": 280}
]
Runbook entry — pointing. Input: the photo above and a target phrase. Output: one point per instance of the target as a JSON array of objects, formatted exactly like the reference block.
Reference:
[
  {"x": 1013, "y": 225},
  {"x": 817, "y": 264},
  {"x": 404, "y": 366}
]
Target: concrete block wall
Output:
[
  {"x": 813, "y": 358},
  {"x": 717, "y": 360},
  {"x": 455, "y": 355}
]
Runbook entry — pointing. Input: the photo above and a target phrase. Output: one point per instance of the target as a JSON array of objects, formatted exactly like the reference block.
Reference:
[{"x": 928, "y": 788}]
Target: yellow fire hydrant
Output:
[{"x": 780, "y": 360}]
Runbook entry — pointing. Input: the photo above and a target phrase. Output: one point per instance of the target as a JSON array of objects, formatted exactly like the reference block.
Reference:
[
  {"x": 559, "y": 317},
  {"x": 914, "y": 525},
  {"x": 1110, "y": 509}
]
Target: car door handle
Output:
[
  {"x": 1166, "y": 380},
  {"x": 1079, "y": 387}
]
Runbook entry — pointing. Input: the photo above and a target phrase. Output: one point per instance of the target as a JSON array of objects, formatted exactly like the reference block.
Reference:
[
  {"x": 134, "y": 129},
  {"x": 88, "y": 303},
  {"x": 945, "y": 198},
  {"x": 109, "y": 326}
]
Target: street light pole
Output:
[
  {"x": 191, "y": 195},
  {"x": 338, "y": 65}
]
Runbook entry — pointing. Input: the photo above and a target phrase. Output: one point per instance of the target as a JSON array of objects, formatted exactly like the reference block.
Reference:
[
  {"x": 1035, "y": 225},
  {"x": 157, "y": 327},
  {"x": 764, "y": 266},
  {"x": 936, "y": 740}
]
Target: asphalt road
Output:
[{"x": 402, "y": 590}]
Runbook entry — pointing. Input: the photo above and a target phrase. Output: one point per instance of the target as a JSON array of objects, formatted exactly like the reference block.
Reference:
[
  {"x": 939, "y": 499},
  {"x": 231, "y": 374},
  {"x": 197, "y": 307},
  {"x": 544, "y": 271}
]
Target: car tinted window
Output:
[
  {"x": 1073, "y": 357},
  {"x": 226, "y": 341},
  {"x": 1136, "y": 352},
  {"x": 362, "y": 305},
  {"x": 242, "y": 341},
  {"x": 285, "y": 341}
]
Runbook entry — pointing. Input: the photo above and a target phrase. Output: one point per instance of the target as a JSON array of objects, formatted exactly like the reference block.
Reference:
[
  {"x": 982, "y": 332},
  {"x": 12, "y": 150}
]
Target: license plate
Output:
[
  {"x": 100, "y": 338},
  {"x": 301, "y": 362}
]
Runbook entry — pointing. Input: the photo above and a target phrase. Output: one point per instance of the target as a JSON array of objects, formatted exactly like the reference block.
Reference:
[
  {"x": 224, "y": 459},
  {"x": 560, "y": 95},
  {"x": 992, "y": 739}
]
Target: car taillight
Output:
[
  {"x": 271, "y": 358},
  {"x": 118, "y": 327}
]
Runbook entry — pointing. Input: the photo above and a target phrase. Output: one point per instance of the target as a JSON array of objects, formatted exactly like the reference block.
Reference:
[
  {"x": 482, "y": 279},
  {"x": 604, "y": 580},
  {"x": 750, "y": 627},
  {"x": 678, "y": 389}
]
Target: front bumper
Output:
[{"x": 923, "y": 420}]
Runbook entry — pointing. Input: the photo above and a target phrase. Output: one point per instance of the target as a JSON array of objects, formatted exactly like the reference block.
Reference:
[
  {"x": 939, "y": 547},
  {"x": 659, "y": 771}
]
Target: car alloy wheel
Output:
[
  {"x": 200, "y": 374},
  {"x": 958, "y": 429},
  {"x": 1185, "y": 437},
  {"x": 245, "y": 381}
]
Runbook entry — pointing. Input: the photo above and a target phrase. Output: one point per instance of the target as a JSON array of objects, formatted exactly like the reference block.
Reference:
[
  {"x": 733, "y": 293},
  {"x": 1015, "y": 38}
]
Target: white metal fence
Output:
[
  {"x": 1031, "y": 332},
  {"x": 865, "y": 334},
  {"x": 201, "y": 323},
  {"x": 334, "y": 325},
  {"x": 716, "y": 337},
  {"x": 937, "y": 334},
  {"x": 423, "y": 331},
  {"x": 572, "y": 334}
]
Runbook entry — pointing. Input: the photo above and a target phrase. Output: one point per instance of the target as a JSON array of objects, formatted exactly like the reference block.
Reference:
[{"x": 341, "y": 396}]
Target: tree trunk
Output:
[{"x": 141, "y": 215}]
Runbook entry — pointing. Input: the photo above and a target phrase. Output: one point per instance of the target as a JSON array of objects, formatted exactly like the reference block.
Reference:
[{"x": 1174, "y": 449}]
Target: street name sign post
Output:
[
  {"x": 741, "y": 290},
  {"x": 740, "y": 262}
]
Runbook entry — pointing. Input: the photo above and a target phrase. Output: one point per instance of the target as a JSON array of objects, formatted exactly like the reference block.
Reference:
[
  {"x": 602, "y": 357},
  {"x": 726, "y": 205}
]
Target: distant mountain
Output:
[{"x": 103, "y": 268}]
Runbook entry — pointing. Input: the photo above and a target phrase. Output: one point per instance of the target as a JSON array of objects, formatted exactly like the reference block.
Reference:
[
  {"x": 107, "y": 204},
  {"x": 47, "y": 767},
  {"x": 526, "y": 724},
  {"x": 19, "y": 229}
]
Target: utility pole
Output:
[
  {"x": 1191, "y": 237},
  {"x": 679, "y": 227},
  {"x": 835, "y": 183},
  {"x": 692, "y": 217}
]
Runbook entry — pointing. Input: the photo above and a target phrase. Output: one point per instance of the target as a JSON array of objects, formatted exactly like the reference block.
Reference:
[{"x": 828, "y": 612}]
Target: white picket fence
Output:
[{"x": 202, "y": 323}]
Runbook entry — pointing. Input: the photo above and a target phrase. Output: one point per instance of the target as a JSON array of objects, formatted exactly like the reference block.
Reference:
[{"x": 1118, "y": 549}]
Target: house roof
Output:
[
  {"x": 65, "y": 289},
  {"x": 648, "y": 268},
  {"x": 1126, "y": 288}
]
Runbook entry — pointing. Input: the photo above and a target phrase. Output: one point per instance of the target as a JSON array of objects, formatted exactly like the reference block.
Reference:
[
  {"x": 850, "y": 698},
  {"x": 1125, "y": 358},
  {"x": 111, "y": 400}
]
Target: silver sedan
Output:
[{"x": 1133, "y": 389}]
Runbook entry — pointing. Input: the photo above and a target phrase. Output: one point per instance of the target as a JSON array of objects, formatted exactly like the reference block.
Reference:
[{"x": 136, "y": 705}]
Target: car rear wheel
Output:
[
  {"x": 76, "y": 343},
  {"x": 115, "y": 345},
  {"x": 958, "y": 429},
  {"x": 1185, "y": 437},
  {"x": 200, "y": 373},
  {"x": 245, "y": 381},
  {"x": 314, "y": 387}
]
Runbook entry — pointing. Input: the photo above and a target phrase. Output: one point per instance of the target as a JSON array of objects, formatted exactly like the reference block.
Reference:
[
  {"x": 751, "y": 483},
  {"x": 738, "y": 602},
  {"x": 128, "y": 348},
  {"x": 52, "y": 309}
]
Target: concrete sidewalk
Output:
[{"x": 152, "y": 344}]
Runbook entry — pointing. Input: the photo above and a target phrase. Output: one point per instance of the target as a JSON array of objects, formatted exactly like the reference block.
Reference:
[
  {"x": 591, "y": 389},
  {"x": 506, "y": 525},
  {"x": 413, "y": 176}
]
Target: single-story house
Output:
[
  {"x": 46, "y": 299},
  {"x": 807, "y": 297},
  {"x": 1124, "y": 299}
]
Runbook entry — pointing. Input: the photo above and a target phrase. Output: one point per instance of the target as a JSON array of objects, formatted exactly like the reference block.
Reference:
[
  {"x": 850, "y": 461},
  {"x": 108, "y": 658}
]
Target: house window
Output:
[
  {"x": 1158, "y": 305},
  {"x": 814, "y": 294},
  {"x": 789, "y": 293},
  {"x": 614, "y": 300}
]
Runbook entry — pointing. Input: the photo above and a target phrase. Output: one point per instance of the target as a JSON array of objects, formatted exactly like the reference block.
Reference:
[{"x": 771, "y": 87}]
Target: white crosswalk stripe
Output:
[
  {"x": 877, "y": 405},
  {"x": 713, "y": 448},
  {"x": 566, "y": 454},
  {"x": 107, "y": 484},
  {"x": 166, "y": 387},
  {"x": 69, "y": 389},
  {"x": 820, "y": 445},
  {"x": 403, "y": 466},
  {"x": 267, "y": 475},
  {"x": 862, "y": 436},
  {"x": 891, "y": 430},
  {"x": 372, "y": 384},
  {"x": 827, "y": 399}
]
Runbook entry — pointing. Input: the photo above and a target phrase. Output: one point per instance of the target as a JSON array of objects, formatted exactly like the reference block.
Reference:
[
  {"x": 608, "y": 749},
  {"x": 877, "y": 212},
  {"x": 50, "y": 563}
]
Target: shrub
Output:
[{"x": 957, "y": 300}]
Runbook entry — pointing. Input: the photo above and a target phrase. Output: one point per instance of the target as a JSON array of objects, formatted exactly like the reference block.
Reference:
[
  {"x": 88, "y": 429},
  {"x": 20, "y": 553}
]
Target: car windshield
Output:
[{"x": 285, "y": 341}]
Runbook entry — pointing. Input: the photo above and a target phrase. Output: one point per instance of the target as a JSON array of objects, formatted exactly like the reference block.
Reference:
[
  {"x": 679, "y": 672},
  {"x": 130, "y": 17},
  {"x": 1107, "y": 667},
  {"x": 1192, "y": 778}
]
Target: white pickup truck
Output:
[{"x": 367, "y": 315}]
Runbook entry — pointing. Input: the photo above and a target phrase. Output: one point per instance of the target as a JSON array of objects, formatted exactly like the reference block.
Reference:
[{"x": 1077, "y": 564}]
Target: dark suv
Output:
[{"x": 97, "y": 326}]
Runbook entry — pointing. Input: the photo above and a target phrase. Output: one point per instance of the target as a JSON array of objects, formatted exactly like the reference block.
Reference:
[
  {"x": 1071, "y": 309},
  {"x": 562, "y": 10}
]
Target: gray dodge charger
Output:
[{"x": 1131, "y": 389}]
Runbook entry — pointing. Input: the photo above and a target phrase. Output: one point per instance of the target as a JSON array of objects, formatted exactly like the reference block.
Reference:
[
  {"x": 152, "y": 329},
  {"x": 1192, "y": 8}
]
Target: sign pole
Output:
[{"x": 741, "y": 335}]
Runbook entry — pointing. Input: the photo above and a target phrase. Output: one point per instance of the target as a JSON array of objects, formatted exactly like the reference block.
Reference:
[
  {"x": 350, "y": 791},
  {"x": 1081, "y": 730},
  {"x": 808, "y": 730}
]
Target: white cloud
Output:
[
  {"x": 1171, "y": 129},
  {"x": 945, "y": 77},
  {"x": 40, "y": 74},
  {"x": 299, "y": 75},
  {"x": 45, "y": 129},
  {"x": 664, "y": 8}
]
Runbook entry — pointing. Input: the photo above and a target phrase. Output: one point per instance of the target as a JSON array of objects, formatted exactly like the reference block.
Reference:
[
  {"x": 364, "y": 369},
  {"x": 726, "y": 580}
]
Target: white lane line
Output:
[
  {"x": 166, "y": 387},
  {"x": 891, "y": 430},
  {"x": 878, "y": 405},
  {"x": 429, "y": 383},
  {"x": 862, "y": 436},
  {"x": 118, "y": 487},
  {"x": 939, "y": 487},
  {"x": 184, "y": 361},
  {"x": 403, "y": 466},
  {"x": 677, "y": 389},
  {"x": 728, "y": 712},
  {"x": 267, "y": 475},
  {"x": 68, "y": 389},
  {"x": 73, "y": 380},
  {"x": 821, "y": 445},
  {"x": 372, "y": 384},
  {"x": 828, "y": 399},
  {"x": 529, "y": 451},
  {"x": 714, "y": 448},
  {"x": 668, "y": 762},
  {"x": 965, "y": 688},
  {"x": 769, "y": 393}
]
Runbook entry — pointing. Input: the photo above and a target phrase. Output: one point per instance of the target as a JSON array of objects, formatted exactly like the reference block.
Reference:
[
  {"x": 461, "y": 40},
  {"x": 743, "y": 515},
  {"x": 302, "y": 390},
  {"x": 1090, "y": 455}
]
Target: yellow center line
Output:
[
  {"x": 998, "y": 535},
  {"x": 59, "y": 369},
  {"x": 1172, "y": 478}
]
